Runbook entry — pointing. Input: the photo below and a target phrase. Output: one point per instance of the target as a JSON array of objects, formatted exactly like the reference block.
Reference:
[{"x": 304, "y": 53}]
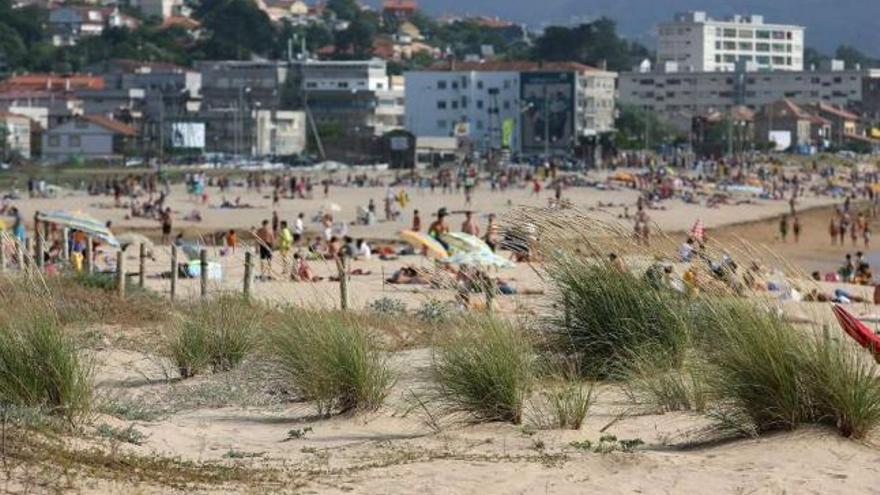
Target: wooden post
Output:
[
  {"x": 342, "y": 265},
  {"x": 2, "y": 253},
  {"x": 89, "y": 259},
  {"x": 65, "y": 246},
  {"x": 248, "y": 272},
  {"x": 27, "y": 254},
  {"x": 120, "y": 274},
  {"x": 173, "y": 271},
  {"x": 20, "y": 254},
  {"x": 142, "y": 265},
  {"x": 203, "y": 273},
  {"x": 38, "y": 244}
]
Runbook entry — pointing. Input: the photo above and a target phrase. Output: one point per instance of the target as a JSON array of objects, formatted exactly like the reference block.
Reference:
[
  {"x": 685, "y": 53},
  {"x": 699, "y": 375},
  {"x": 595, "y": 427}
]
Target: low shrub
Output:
[
  {"x": 331, "y": 359},
  {"x": 484, "y": 371},
  {"x": 388, "y": 306}
]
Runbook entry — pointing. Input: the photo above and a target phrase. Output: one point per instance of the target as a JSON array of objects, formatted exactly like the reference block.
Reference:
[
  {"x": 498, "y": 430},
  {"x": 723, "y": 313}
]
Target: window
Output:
[
  {"x": 480, "y": 125},
  {"x": 778, "y": 60},
  {"x": 479, "y": 84},
  {"x": 455, "y": 104},
  {"x": 778, "y": 47},
  {"x": 54, "y": 141},
  {"x": 441, "y": 124},
  {"x": 81, "y": 124},
  {"x": 717, "y": 45},
  {"x": 441, "y": 84},
  {"x": 454, "y": 84},
  {"x": 479, "y": 104},
  {"x": 746, "y": 33},
  {"x": 342, "y": 84},
  {"x": 730, "y": 33},
  {"x": 441, "y": 105},
  {"x": 762, "y": 35},
  {"x": 746, "y": 46},
  {"x": 74, "y": 141},
  {"x": 718, "y": 58},
  {"x": 506, "y": 105},
  {"x": 730, "y": 58},
  {"x": 729, "y": 45},
  {"x": 762, "y": 47}
]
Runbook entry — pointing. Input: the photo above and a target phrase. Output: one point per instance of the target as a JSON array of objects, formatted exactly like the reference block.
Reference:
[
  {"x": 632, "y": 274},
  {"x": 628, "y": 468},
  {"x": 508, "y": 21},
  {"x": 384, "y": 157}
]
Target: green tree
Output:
[
  {"x": 12, "y": 48},
  {"x": 852, "y": 56},
  {"x": 357, "y": 39},
  {"x": 346, "y": 10},
  {"x": 635, "y": 125},
  {"x": 236, "y": 29},
  {"x": 592, "y": 44},
  {"x": 813, "y": 58}
]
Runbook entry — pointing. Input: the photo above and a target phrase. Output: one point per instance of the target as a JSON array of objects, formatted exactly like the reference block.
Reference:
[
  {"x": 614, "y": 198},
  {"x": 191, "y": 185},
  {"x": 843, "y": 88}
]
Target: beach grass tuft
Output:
[
  {"x": 218, "y": 334},
  {"x": 484, "y": 371},
  {"x": 40, "y": 366},
  {"x": 608, "y": 316},
  {"x": 331, "y": 359}
]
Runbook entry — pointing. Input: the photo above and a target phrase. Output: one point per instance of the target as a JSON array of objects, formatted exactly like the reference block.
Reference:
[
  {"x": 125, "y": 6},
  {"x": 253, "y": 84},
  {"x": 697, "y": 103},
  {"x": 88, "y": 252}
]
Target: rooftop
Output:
[{"x": 512, "y": 66}]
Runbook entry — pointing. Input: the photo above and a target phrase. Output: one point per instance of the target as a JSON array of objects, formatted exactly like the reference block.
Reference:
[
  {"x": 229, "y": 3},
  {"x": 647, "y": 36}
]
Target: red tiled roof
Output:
[
  {"x": 839, "y": 112},
  {"x": 52, "y": 82},
  {"x": 180, "y": 21},
  {"x": 399, "y": 5},
  {"x": 113, "y": 125},
  {"x": 513, "y": 66}
]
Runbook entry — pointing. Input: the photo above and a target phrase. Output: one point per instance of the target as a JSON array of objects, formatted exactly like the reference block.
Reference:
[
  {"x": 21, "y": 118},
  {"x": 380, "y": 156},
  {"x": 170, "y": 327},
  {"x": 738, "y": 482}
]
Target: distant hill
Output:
[{"x": 829, "y": 22}]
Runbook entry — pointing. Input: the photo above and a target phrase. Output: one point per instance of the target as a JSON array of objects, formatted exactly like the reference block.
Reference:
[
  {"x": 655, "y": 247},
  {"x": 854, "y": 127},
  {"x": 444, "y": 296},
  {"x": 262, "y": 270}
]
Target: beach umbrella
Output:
[
  {"x": 80, "y": 221},
  {"x": 129, "y": 238},
  {"x": 465, "y": 243},
  {"x": 419, "y": 240},
  {"x": 859, "y": 332},
  {"x": 482, "y": 259}
]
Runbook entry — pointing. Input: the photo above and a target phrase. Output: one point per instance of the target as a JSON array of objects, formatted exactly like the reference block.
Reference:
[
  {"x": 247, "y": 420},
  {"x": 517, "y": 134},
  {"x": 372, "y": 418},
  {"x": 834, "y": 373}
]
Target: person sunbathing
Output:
[
  {"x": 303, "y": 272},
  {"x": 405, "y": 276}
]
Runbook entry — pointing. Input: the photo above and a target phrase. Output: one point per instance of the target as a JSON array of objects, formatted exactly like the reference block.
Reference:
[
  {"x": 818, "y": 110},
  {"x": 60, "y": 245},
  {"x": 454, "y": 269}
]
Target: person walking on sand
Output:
[
  {"x": 285, "y": 243},
  {"x": 783, "y": 228},
  {"x": 417, "y": 221},
  {"x": 833, "y": 227},
  {"x": 796, "y": 229},
  {"x": 265, "y": 240},
  {"x": 166, "y": 220}
]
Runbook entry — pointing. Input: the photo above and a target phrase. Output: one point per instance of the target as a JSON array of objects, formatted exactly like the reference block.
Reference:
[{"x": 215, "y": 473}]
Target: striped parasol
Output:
[
  {"x": 419, "y": 240},
  {"x": 80, "y": 221},
  {"x": 459, "y": 242}
]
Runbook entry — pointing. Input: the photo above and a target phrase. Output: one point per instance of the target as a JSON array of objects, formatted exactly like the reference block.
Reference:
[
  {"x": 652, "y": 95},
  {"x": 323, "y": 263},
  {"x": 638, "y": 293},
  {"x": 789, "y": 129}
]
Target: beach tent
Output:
[
  {"x": 419, "y": 240},
  {"x": 82, "y": 222}
]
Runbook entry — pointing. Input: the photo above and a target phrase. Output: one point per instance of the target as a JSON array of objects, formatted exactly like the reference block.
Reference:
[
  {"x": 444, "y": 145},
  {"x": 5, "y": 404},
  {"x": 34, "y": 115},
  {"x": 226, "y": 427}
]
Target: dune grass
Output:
[
  {"x": 484, "y": 371},
  {"x": 40, "y": 366},
  {"x": 608, "y": 316},
  {"x": 773, "y": 376},
  {"x": 216, "y": 334},
  {"x": 650, "y": 383},
  {"x": 331, "y": 359}
]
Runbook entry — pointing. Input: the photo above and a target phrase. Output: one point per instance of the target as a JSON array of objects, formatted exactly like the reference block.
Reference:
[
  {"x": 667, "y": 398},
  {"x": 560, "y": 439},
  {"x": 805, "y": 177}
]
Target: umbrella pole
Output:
[
  {"x": 120, "y": 274},
  {"x": 90, "y": 256},
  {"x": 173, "y": 271},
  {"x": 66, "y": 244}
]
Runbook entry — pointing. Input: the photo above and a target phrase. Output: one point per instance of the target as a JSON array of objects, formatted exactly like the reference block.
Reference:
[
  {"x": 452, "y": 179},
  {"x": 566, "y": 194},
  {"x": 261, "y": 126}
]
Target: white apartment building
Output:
[
  {"x": 698, "y": 43},
  {"x": 520, "y": 106},
  {"x": 679, "y": 96},
  {"x": 345, "y": 75}
]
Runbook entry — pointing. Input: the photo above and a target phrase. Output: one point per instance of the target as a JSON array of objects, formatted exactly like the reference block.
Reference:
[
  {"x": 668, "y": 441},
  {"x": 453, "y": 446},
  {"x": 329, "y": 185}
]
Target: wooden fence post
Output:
[
  {"x": 142, "y": 265},
  {"x": 2, "y": 253},
  {"x": 203, "y": 273},
  {"x": 120, "y": 274},
  {"x": 89, "y": 259},
  {"x": 342, "y": 265},
  {"x": 65, "y": 246},
  {"x": 248, "y": 272},
  {"x": 28, "y": 252},
  {"x": 173, "y": 271},
  {"x": 38, "y": 244}
]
